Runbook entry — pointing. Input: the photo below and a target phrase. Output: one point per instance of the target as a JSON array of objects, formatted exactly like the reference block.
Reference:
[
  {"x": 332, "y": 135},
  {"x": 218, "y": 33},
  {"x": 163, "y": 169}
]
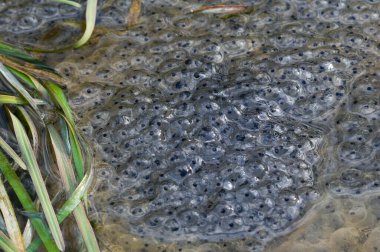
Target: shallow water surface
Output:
[{"x": 225, "y": 133}]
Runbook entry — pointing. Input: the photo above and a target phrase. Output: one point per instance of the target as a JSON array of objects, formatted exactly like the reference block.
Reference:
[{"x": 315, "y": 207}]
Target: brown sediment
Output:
[{"x": 134, "y": 13}]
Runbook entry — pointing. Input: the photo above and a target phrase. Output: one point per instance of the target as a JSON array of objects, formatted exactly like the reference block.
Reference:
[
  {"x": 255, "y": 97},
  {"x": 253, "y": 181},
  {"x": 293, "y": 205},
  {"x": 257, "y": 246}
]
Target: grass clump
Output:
[{"x": 38, "y": 139}]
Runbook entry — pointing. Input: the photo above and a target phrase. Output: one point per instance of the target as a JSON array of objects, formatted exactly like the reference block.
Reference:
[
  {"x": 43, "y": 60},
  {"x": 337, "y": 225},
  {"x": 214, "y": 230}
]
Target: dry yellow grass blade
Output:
[
  {"x": 10, "y": 219},
  {"x": 38, "y": 182}
]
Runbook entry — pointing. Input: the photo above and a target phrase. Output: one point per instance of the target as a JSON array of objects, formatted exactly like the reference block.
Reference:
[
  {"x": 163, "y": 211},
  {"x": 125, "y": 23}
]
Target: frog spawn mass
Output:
[{"x": 222, "y": 128}]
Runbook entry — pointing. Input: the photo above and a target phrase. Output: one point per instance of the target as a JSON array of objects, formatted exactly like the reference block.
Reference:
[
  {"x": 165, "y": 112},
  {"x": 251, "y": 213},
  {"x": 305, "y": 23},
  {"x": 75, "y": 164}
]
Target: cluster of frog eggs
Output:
[
  {"x": 356, "y": 160},
  {"x": 24, "y": 16},
  {"x": 215, "y": 126},
  {"x": 44, "y": 23},
  {"x": 216, "y": 135}
]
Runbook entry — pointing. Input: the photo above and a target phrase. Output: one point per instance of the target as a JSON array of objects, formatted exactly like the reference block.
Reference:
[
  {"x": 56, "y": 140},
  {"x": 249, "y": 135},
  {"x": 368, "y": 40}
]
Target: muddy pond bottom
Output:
[{"x": 226, "y": 133}]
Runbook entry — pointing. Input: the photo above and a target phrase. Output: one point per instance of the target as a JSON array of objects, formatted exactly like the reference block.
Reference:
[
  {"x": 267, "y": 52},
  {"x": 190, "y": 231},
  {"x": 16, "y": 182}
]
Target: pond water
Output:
[{"x": 251, "y": 132}]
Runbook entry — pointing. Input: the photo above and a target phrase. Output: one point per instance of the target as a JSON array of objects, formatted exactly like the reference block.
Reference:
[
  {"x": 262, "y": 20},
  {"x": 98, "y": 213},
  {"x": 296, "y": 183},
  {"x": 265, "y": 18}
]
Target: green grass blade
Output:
[
  {"x": 76, "y": 196},
  {"x": 40, "y": 88},
  {"x": 86, "y": 229},
  {"x": 90, "y": 23},
  {"x": 72, "y": 3},
  {"x": 81, "y": 153},
  {"x": 64, "y": 134},
  {"x": 77, "y": 154},
  {"x": 46, "y": 157},
  {"x": 22, "y": 77},
  {"x": 6, "y": 244},
  {"x": 82, "y": 219},
  {"x": 70, "y": 204},
  {"x": 11, "y": 99},
  {"x": 61, "y": 100},
  {"x": 63, "y": 162},
  {"x": 38, "y": 182},
  {"x": 32, "y": 128},
  {"x": 32, "y": 215},
  {"x": 76, "y": 150},
  {"x": 8, "y": 149},
  {"x": 31, "y": 82},
  {"x": 10, "y": 51},
  {"x": 68, "y": 178},
  {"x": 26, "y": 202},
  {"x": 18, "y": 86},
  {"x": 13, "y": 52},
  {"x": 10, "y": 219}
]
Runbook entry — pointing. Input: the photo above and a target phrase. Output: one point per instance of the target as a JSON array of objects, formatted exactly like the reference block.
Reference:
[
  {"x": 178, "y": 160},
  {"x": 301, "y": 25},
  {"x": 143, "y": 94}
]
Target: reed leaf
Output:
[
  {"x": 6, "y": 244},
  {"x": 76, "y": 196},
  {"x": 86, "y": 229},
  {"x": 72, "y": 3},
  {"x": 15, "y": 100},
  {"x": 38, "y": 182},
  {"x": 31, "y": 82},
  {"x": 18, "y": 86},
  {"x": 14, "y": 53},
  {"x": 68, "y": 178},
  {"x": 69, "y": 206},
  {"x": 8, "y": 149},
  {"x": 90, "y": 23},
  {"x": 62, "y": 126},
  {"x": 27, "y": 234},
  {"x": 22, "y": 76},
  {"x": 11, "y": 99},
  {"x": 63, "y": 161},
  {"x": 10, "y": 219},
  {"x": 76, "y": 149},
  {"x": 32, "y": 128},
  {"x": 40, "y": 88},
  {"x": 60, "y": 100},
  {"x": 26, "y": 202}
]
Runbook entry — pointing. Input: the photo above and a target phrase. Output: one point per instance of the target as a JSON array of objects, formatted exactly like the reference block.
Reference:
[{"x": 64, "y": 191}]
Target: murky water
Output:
[{"x": 213, "y": 133}]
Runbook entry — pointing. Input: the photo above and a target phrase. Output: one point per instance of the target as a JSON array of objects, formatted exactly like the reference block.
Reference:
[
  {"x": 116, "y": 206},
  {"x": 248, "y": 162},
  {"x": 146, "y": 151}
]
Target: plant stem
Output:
[{"x": 26, "y": 202}]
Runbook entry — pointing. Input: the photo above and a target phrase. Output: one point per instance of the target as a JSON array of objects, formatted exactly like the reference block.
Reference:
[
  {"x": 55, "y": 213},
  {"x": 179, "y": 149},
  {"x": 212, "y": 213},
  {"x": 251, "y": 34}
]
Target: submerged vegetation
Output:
[
  {"x": 90, "y": 17},
  {"x": 39, "y": 140}
]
